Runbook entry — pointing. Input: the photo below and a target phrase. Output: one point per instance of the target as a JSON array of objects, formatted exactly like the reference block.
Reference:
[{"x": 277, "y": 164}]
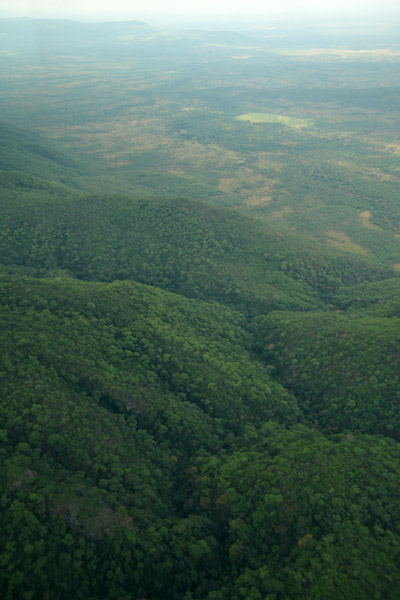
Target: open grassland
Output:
[{"x": 272, "y": 118}]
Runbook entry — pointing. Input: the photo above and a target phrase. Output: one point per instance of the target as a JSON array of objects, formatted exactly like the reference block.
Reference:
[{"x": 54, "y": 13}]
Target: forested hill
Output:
[
  {"x": 195, "y": 404},
  {"x": 183, "y": 246}
]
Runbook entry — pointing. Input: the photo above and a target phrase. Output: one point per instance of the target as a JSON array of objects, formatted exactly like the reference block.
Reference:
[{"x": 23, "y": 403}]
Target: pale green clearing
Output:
[
  {"x": 340, "y": 240},
  {"x": 273, "y": 118}
]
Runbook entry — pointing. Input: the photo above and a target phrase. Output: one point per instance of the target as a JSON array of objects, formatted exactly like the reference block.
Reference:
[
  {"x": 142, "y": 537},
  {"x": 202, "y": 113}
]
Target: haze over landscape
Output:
[
  {"x": 200, "y": 301},
  {"x": 178, "y": 11}
]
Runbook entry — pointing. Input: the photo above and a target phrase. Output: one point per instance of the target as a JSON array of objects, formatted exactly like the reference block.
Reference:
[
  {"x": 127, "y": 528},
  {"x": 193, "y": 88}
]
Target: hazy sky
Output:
[{"x": 209, "y": 9}]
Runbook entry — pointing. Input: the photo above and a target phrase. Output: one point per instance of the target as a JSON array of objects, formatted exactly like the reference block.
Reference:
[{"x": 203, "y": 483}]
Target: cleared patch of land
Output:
[
  {"x": 259, "y": 198},
  {"x": 279, "y": 214},
  {"x": 342, "y": 241},
  {"x": 291, "y": 122},
  {"x": 365, "y": 218}
]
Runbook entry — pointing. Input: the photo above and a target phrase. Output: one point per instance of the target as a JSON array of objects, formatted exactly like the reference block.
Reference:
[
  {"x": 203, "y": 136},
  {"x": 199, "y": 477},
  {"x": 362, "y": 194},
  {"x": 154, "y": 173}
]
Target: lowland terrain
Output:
[{"x": 199, "y": 306}]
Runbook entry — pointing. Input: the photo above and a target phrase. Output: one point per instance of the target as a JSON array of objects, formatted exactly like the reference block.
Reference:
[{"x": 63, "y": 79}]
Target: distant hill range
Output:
[{"x": 38, "y": 36}]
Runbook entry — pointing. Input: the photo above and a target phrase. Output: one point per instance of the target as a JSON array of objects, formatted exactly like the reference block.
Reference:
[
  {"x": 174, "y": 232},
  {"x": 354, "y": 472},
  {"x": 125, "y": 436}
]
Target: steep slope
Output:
[
  {"x": 29, "y": 162},
  {"x": 184, "y": 246},
  {"x": 145, "y": 454},
  {"x": 124, "y": 342},
  {"x": 343, "y": 368},
  {"x": 32, "y": 166},
  {"x": 146, "y": 450},
  {"x": 179, "y": 245},
  {"x": 379, "y": 298},
  {"x": 112, "y": 390}
]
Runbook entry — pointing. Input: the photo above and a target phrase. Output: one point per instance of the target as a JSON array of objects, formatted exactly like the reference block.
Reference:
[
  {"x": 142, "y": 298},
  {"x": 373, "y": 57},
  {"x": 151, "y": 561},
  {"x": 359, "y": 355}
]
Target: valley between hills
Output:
[{"x": 200, "y": 300}]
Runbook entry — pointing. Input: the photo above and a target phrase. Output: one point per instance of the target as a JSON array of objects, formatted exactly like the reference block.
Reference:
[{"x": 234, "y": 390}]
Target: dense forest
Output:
[{"x": 200, "y": 345}]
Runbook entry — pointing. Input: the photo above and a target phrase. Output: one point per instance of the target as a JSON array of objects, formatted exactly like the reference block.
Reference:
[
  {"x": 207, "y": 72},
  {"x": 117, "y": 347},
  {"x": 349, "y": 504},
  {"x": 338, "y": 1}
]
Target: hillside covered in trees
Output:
[{"x": 198, "y": 401}]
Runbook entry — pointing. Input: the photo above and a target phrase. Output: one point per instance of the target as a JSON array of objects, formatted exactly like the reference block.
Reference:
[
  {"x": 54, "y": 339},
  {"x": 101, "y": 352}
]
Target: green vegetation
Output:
[
  {"x": 272, "y": 118},
  {"x": 199, "y": 355},
  {"x": 301, "y": 516},
  {"x": 343, "y": 369},
  {"x": 178, "y": 245},
  {"x": 155, "y": 112}
]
